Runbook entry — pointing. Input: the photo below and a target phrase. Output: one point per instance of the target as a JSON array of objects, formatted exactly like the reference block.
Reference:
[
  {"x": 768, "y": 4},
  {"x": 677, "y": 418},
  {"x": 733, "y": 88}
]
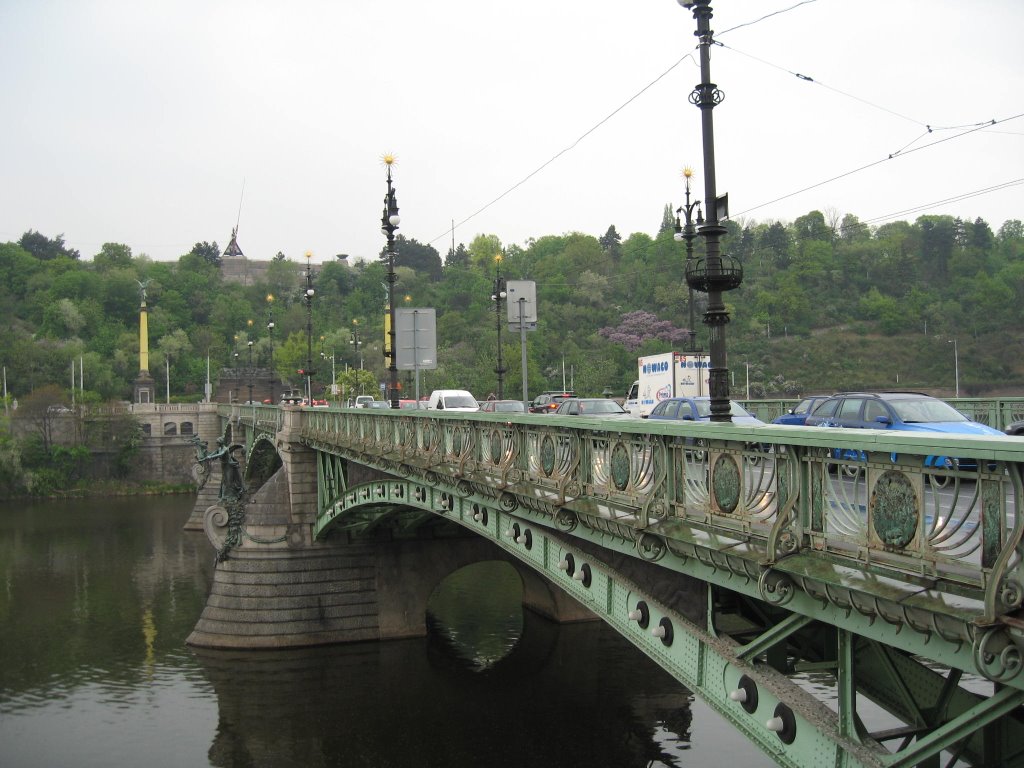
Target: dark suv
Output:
[{"x": 548, "y": 402}]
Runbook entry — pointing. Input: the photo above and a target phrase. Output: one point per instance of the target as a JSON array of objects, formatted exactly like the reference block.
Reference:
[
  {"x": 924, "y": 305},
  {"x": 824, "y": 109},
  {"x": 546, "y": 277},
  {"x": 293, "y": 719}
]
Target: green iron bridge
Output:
[{"x": 745, "y": 561}]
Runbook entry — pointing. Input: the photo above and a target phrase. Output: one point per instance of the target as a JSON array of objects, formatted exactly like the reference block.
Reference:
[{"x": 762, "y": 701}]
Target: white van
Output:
[
  {"x": 632, "y": 396},
  {"x": 452, "y": 400}
]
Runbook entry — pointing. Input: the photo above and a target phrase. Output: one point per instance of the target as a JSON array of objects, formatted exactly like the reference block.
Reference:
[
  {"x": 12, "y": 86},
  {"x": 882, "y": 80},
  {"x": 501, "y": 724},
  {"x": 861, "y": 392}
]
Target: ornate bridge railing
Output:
[{"x": 852, "y": 522}]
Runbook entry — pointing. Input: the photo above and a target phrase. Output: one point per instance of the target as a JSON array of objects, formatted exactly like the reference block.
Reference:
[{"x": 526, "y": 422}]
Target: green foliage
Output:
[{"x": 817, "y": 293}]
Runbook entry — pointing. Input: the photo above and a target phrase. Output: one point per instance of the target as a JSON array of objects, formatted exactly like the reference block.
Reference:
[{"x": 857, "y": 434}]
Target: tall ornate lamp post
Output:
[
  {"x": 389, "y": 222},
  {"x": 687, "y": 233},
  {"x": 498, "y": 296},
  {"x": 356, "y": 343},
  {"x": 714, "y": 273},
  {"x": 251, "y": 370},
  {"x": 307, "y": 299},
  {"x": 270, "y": 334}
]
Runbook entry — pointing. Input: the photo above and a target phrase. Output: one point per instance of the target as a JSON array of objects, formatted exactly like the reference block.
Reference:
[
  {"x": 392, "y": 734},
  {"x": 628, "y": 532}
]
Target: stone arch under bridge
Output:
[{"x": 278, "y": 589}]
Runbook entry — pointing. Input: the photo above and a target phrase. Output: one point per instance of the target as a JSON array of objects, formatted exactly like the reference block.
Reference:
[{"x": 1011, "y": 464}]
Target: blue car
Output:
[
  {"x": 698, "y": 409},
  {"x": 798, "y": 415},
  {"x": 908, "y": 411}
]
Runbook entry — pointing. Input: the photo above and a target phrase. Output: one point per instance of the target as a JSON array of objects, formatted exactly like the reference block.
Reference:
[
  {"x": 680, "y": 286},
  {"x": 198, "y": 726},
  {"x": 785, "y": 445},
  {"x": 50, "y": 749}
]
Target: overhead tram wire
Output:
[
  {"x": 935, "y": 203},
  {"x": 533, "y": 173},
  {"x": 891, "y": 156},
  {"x": 808, "y": 79},
  {"x": 451, "y": 230}
]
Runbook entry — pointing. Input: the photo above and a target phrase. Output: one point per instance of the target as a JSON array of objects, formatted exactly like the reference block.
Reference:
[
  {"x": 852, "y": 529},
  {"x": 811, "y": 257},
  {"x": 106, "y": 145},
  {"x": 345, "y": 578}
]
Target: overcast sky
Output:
[{"x": 142, "y": 121}]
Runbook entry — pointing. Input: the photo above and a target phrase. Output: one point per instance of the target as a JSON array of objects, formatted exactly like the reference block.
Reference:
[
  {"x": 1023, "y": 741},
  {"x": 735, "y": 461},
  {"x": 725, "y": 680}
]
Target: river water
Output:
[{"x": 98, "y": 597}]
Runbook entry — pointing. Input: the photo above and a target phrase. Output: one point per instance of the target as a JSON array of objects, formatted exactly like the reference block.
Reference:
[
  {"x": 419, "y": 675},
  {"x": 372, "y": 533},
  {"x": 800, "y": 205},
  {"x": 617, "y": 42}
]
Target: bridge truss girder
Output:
[{"x": 741, "y": 654}]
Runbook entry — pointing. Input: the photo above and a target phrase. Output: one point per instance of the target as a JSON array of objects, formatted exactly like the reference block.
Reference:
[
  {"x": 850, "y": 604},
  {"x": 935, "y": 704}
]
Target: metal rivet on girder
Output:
[
  {"x": 563, "y": 565},
  {"x": 641, "y": 615},
  {"x": 510, "y": 533},
  {"x": 783, "y": 724},
  {"x": 583, "y": 575},
  {"x": 745, "y": 694},
  {"x": 520, "y": 539},
  {"x": 570, "y": 564},
  {"x": 664, "y": 632}
]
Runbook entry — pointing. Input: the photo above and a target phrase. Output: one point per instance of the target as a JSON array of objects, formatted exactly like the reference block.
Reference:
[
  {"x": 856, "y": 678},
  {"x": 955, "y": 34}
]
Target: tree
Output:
[
  {"x": 483, "y": 249},
  {"x": 611, "y": 243},
  {"x": 208, "y": 252},
  {"x": 423, "y": 258},
  {"x": 637, "y": 328},
  {"x": 356, "y": 381},
  {"x": 112, "y": 256},
  {"x": 44, "y": 248},
  {"x": 457, "y": 258},
  {"x": 38, "y": 411},
  {"x": 668, "y": 219}
]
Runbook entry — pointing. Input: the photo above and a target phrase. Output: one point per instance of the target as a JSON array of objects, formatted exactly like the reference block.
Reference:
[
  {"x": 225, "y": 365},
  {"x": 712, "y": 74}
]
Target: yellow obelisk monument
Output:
[{"x": 145, "y": 386}]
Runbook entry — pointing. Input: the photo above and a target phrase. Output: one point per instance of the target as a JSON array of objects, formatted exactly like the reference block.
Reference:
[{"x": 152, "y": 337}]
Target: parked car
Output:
[
  {"x": 698, "y": 409},
  {"x": 799, "y": 413},
  {"x": 452, "y": 400},
  {"x": 591, "y": 406},
  {"x": 907, "y": 411},
  {"x": 548, "y": 402},
  {"x": 502, "y": 406}
]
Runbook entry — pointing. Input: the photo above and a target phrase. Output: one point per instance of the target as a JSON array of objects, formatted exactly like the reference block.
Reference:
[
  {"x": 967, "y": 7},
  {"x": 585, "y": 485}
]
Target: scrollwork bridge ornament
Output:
[
  {"x": 996, "y": 656},
  {"x": 775, "y": 588},
  {"x": 229, "y": 514}
]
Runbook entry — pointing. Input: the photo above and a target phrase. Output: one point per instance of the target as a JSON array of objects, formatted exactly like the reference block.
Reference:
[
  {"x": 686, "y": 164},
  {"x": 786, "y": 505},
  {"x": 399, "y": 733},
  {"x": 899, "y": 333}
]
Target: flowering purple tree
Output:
[{"x": 637, "y": 327}]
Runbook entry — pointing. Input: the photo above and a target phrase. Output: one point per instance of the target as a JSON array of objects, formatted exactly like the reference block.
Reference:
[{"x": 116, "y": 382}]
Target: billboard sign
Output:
[{"x": 416, "y": 339}]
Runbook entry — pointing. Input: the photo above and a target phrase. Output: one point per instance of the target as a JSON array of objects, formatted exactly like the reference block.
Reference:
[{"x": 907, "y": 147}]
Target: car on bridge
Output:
[
  {"x": 548, "y": 402},
  {"x": 502, "y": 406},
  {"x": 907, "y": 411},
  {"x": 452, "y": 400},
  {"x": 698, "y": 409},
  {"x": 1015, "y": 428},
  {"x": 592, "y": 406},
  {"x": 797, "y": 415}
]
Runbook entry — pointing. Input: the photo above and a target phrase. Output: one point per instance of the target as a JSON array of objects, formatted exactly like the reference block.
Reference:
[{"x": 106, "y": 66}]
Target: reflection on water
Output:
[
  {"x": 96, "y": 601},
  {"x": 412, "y": 702},
  {"x": 478, "y": 612}
]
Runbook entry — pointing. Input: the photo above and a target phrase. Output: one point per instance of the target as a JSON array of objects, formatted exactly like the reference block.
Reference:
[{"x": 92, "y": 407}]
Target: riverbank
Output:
[{"x": 102, "y": 488}]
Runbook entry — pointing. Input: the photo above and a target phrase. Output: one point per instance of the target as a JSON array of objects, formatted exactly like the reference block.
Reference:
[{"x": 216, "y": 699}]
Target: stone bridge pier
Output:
[{"x": 274, "y": 586}]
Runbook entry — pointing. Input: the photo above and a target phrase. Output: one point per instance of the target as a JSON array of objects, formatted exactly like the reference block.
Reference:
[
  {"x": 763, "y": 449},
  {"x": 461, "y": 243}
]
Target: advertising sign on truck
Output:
[{"x": 670, "y": 374}]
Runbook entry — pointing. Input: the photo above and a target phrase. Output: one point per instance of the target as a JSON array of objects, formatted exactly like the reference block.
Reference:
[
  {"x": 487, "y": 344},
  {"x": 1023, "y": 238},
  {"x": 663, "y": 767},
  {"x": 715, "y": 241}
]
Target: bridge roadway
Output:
[{"x": 741, "y": 559}]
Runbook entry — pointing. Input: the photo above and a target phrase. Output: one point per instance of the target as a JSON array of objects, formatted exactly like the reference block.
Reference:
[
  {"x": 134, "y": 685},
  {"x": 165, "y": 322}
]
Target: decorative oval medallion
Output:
[
  {"x": 547, "y": 455},
  {"x": 726, "y": 478},
  {"x": 495, "y": 447},
  {"x": 620, "y": 466},
  {"x": 893, "y": 508}
]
